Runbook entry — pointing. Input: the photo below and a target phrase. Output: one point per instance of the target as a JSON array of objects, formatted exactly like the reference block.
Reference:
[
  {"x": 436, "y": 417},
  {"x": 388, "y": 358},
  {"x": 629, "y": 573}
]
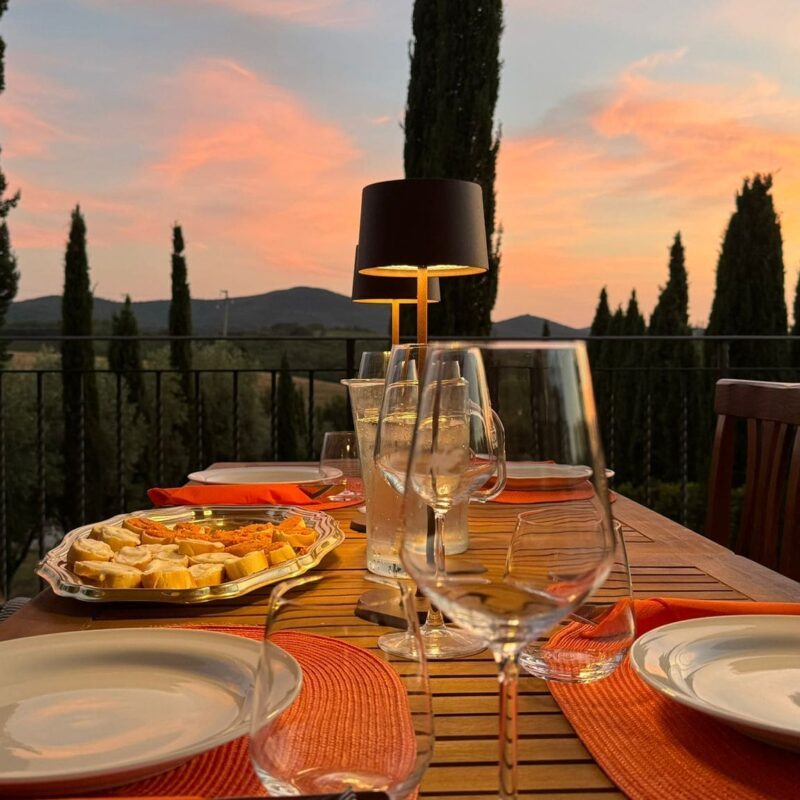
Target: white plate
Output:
[
  {"x": 90, "y": 709},
  {"x": 267, "y": 474},
  {"x": 743, "y": 670},
  {"x": 537, "y": 475}
]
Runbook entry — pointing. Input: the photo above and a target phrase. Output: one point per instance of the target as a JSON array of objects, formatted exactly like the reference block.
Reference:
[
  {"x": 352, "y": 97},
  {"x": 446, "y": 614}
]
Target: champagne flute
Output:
[
  {"x": 392, "y": 449},
  {"x": 520, "y": 586}
]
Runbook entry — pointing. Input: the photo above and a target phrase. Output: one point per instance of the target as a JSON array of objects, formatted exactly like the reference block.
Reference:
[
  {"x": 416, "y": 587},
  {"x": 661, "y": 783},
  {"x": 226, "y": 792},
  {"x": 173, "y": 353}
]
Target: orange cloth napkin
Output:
[
  {"x": 653, "y": 748},
  {"x": 243, "y": 494},
  {"x": 532, "y": 496},
  {"x": 357, "y": 701}
]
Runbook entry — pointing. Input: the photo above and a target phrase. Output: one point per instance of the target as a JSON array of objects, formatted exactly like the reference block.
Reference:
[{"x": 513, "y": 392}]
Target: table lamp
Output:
[
  {"x": 391, "y": 291},
  {"x": 427, "y": 227}
]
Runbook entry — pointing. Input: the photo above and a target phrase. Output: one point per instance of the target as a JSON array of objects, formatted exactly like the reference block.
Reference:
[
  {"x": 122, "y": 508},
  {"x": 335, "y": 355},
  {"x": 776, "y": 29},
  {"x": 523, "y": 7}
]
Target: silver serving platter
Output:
[{"x": 53, "y": 567}]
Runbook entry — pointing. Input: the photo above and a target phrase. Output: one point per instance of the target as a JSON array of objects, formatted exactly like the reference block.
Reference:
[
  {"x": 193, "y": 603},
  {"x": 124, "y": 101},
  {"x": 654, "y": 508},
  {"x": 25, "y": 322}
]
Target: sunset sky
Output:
[{"x": 255, "y": 123}]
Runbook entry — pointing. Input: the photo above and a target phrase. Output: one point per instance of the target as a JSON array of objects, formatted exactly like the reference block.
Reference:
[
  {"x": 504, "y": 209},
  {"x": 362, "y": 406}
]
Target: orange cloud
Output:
[
  {"x": 594, "y": 195},
  {"x": 315, "y": 13},
  {"x": 281, "y": 184}
]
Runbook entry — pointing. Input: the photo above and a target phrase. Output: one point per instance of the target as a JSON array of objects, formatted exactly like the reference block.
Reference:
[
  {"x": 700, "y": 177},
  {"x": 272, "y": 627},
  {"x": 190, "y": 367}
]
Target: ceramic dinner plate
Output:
[
  {"x": 532, "y": 475},
  {"x": 743, "y": 670},
  {"x": 90, "y": 709},
  {"x": 267, "y": 474}
]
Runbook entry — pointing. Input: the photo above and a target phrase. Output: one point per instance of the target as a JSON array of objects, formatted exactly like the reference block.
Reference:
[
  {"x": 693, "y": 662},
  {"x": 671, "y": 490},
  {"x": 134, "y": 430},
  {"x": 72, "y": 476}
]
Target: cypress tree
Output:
[
  {"x": 609, "y": 410},
  {"x": 83, "y": 468},
  {"x": 597, "y": 351},
  {"x": 749, "y": 296},
  {"x": 796, "y": 328},
  {"x": 600, "y": 326},
  {"x": 450, "y": 133},
  {"x": 180, "y": 313},
  {"x": 671, "y": 368},
  {"x": 631, "y": 395},
  {"x": 9, "y": 275},
  {"x": 124, "y": 358},
  {"x": 287, "y": 448}
]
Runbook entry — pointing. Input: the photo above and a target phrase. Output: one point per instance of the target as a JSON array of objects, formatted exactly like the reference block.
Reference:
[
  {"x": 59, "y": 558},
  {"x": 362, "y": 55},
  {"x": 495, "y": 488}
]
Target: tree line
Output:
[{"x": 655, "y": 398}]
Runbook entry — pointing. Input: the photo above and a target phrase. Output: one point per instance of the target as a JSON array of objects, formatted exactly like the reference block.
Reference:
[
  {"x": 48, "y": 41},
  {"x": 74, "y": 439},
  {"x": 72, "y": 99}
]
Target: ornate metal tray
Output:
[{"x": 329, "y": 536}]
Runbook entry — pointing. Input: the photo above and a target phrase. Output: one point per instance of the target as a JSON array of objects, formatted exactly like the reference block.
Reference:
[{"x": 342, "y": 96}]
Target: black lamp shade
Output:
[
  {"x": 375, "y": 289},
  {"x": 433, "y": 223}
]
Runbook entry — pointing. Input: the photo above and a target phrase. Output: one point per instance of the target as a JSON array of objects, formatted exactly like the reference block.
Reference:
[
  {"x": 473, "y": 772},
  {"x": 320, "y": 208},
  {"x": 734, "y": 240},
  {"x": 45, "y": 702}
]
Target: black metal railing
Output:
[{"x": 232, "y": 414}]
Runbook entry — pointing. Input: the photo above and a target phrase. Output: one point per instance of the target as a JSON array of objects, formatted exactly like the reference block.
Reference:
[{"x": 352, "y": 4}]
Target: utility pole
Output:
[{"x": 226, "y": 301}]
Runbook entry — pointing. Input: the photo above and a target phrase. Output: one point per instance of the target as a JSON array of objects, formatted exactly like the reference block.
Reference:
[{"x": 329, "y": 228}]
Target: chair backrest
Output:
[{"x": 769, "y": 530}]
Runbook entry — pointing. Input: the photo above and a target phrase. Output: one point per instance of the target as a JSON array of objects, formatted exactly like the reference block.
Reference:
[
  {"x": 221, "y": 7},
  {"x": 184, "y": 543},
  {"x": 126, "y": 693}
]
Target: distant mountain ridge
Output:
[{"x": 303, "y": 305}]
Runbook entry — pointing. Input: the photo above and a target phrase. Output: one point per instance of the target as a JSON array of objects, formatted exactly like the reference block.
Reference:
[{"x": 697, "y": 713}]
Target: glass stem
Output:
[
  {"x": 434, "y": 619},
  {"x": 508, "y": 676}
]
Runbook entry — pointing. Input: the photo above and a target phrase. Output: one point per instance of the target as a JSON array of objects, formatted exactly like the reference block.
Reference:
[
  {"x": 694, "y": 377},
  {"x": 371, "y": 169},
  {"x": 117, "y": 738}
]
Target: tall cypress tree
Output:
[
  {"x": 600, "y": 377},
  {"x": 749, "y": 296},
  {"x": 124, "y": 357},
  {"x": 180, "y": 312},
  {"x": 450, "y": 133},
  {"x": 9, "y": 275},
  {"x": 630, "y": 394},
  {"x": 83, "y": 469},
  {"x": 796, "y": 329},
  {"x": 600, "y": 326},
  {"x": 671, "y": 375}
]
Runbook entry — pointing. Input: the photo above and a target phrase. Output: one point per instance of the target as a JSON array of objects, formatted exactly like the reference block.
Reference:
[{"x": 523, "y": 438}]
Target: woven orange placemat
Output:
[
  {"x": 356, "y": 702},
  {"x": 654, "y": 748}
]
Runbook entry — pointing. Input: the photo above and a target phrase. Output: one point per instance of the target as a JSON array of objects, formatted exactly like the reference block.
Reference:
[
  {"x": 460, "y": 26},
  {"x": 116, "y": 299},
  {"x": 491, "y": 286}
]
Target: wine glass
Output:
[
  {"x": 340, "y": 453},
  {"x": 396, "y": 429},
  {"x": 518, "y": 587},
  {"x": 330, "y": 711},
  {"x": 593, "y": 641}
]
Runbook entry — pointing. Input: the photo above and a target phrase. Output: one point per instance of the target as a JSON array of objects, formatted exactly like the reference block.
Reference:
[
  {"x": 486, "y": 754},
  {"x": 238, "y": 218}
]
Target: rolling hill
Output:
[{"x": 302, "y": 305}]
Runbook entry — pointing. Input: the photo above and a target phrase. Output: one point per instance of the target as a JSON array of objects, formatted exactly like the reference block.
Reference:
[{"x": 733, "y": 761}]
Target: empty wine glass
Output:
[
  {"x": 392, "y": 450},
  {"x": 517, "y": 588},
  {"x": 340, "y": 454},
  {"x": 592, "y": 642},
  {"x": 330, "y": 711}
]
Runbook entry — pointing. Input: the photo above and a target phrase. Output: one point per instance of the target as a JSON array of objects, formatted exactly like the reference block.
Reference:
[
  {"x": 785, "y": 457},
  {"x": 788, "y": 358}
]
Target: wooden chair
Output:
[{"x": 769, "y": 530}]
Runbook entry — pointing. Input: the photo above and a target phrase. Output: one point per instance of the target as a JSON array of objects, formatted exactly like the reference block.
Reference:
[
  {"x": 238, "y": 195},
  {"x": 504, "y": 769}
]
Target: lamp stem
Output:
[
  {"x": 395, "y": 322},
  {"x": 422, "y": 305}
]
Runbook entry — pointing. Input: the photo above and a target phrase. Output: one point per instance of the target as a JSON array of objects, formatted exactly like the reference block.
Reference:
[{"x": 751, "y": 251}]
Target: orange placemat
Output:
[
  {"x": 357, "y": 702},
  {"x": 655, "y": 749},
  {"x": 250, "y": 494}
]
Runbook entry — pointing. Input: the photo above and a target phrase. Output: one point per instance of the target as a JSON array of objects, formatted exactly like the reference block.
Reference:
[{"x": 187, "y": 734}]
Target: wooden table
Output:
[{"x": 666, "y": 559}]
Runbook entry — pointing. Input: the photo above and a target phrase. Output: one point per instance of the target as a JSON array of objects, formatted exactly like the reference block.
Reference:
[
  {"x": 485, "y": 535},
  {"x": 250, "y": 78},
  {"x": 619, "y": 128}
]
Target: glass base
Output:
[
  {"x": 343, "y": 497},
  {"x": 440, "y": 643},
  {"x": 569, "y": 666}
]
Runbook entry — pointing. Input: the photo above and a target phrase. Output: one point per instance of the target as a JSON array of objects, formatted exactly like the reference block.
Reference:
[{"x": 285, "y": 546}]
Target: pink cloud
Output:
[
  {"x": 279, "y": 181},
  {"x": 314, "y": 13},
  {"x": 27, "y": 112},
  {"x": 595, "y": 195}
]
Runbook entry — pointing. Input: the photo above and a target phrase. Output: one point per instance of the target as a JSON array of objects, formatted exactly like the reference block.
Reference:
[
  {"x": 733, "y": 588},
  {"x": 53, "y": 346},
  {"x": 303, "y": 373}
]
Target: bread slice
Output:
[
  {"x": 108, "y": 574},
  {"x": 246, "y": 565},
  {"x": 164, "y": 575},
  {"x": 88, "y": 550},
  {"x": 193, "y": 547},
  {"x": 138, "y": 557},
  {"x": 207, "y": 574}
]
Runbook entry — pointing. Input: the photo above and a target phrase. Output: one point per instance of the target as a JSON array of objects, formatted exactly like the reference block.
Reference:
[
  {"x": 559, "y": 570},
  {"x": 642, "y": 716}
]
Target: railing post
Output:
[
  {"x": 4, "y": 537},
  {"x": 159, "y": 432},
  {"x": 82, "y": 448},
  {"x": 41, "y": 472},
  {"x": 120, "y": 447},
  {"x": 311, "y": 413},
  {"x": 648, "y": 444},
  {"x": 198, "y": 419},
  {"x": 235, "y": 414},
  {"x": 273, "y": 434},
  {"x": 350, "y": 358},
  {"x": 684, "y": 450}
]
